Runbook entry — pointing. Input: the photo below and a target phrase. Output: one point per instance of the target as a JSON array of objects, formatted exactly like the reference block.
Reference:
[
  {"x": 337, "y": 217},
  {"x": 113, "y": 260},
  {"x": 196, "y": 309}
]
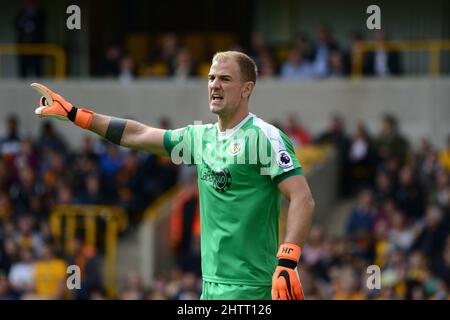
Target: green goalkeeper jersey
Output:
[{"x": 238, "y": 173}]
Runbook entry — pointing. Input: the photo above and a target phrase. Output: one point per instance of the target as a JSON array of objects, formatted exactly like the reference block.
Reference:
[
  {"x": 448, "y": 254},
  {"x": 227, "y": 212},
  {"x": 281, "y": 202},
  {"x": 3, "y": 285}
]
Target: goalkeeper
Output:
[{"x": 244, "y": 167}]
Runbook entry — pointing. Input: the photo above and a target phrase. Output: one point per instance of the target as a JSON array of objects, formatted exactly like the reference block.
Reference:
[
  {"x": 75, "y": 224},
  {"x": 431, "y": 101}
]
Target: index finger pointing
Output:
[{"x": 43, "y": 91}]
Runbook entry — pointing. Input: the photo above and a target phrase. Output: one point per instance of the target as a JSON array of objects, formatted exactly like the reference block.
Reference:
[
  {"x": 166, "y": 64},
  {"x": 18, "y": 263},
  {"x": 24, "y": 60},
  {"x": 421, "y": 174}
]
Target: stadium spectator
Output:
[
  {"x": 111, "y": 160},
  {"x": 130, "y": 183},
  {"x": 86, "y": 162},
  {"x": 336, "y": 136},
  {"x": 263, "y": 55},
  {"x": 441, "y": 292},
  {"x": 6, "y": 176},
  {"x": 166, "y": 51},
  {"x": 297, "y": 132},
  {"x": 21, "y": 274},
  {"x": 382, "y": 62},
  {"x": 337, "y": 65},
  {"x": 426, "y": 161},
  {"x": 409, "y": 195},
  {"x": 165, "y": 172},
  {"x": 184, "y": 66},
  {"x": 313, "y": 251},
  {"x": 5, "y": 258},
  {"x": 439, "y": 193},
  {"x": 443, "y": 263},
  {"x": 6, "y": 206},
  {"x": 431, "y": 239},
  {"x": 64, "y": 194},
  {"x": 357, "y": 54},
  {"x": 302, "y": 42},
  {"x": 93, "y": 191},
  {"x": 311, "y": 285},
  {"x": 325, "y": 46},
  {"x": 268, "y": 67},
  {"x": 444, "y": 156},
  {"x": 185, "y": 226},
  {"x": 361, "y": 158},
  {"x": 49, "y": 139},
  {"x": 5, "y": 289},
  {"x": 400, "y": 235},
  {"x": 384, "y": 187},
  {"x": 134, "y": 289},
  {"x": 363, "y": 215},
  {"x": 346, "y": 284},
  {"x": 296, "y": 67},
  {"x": 10, "y": 143},
  {"x": 188, "y": 290},
  {"x": 25, "y": 189},
  {"x": 27, "y": 156},
  {"x": 26, "y": 236},
  {"x": 127, "y": 72},
  {"x": 98, "y": 294},
  {"x": 390, "y": 142},
  {"x": 50, "y": 274},
  {"x": 111, "y": 62}
]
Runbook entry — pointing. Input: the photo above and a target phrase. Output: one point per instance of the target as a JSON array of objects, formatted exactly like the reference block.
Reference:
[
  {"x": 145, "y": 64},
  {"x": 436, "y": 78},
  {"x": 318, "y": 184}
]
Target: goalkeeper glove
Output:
[
  {"x": 285, "y": 281},
  {"x": 53, "y": 105}
]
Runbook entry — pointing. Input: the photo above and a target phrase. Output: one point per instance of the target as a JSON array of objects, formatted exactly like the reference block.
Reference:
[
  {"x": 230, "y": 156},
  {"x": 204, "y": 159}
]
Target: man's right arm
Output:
[{"x": 129, "y": 133}]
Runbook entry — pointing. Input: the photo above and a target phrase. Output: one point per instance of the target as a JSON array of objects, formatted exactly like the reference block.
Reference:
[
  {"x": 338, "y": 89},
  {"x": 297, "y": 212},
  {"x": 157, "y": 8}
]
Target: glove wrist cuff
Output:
[
  {"x": 289, "y": 251},
  {"x": 72, "y": 114},
  {"x": 287, "y": 263},
  {"x": 82, "y": 117}
]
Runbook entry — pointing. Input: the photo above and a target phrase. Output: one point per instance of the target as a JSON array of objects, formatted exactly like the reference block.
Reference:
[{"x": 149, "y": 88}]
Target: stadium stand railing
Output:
[
  {"x": 433, "y": 47},
  {"x": 66, "y": 219},
  {"x": 51, "y": 50}
]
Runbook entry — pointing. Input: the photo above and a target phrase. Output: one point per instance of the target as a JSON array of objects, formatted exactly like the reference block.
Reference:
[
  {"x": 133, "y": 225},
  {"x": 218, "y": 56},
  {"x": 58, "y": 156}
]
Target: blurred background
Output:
[{"x": 367, "y": 110}]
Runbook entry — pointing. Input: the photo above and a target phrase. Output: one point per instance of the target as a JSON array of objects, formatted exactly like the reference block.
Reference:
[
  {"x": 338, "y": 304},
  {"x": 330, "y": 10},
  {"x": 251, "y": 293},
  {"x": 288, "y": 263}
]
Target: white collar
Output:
[{"x": 222, "y": 135}]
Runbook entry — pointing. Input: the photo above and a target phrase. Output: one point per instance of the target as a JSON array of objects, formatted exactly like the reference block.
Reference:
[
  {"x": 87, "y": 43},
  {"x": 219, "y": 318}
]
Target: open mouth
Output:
[{"x": 216, "y": 97}]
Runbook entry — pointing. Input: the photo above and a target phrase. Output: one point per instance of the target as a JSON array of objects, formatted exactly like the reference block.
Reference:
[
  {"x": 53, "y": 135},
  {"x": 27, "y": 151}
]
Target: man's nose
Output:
[{"x": 215, "y": 83}]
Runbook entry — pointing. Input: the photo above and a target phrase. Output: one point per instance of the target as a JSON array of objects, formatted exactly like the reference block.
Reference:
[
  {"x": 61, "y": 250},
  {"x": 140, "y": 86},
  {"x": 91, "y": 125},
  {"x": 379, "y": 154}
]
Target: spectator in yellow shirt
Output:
[
  {"x": 444, "y": 156},
  {"x": 50, "y": 275}
]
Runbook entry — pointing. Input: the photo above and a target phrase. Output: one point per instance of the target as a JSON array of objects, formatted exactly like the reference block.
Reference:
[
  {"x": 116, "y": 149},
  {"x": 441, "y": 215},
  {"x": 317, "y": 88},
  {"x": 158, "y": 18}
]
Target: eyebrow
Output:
[{"x": 221, "y": 76}]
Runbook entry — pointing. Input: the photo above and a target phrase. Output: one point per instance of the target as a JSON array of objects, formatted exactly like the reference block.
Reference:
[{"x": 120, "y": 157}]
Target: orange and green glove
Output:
[
  {"x": 285, "y": 281},
  {"x": 53, "y": 105}
]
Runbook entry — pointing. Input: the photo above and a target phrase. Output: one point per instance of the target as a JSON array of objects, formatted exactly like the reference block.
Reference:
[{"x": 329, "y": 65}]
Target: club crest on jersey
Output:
[
  {"x": 235, "y": 148},
  {"x": 284, "y": 159}
]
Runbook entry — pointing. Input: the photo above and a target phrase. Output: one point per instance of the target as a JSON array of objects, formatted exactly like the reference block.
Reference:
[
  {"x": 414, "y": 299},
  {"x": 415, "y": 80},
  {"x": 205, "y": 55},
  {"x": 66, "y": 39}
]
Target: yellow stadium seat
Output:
[
  {"x": 203, "y": 69},
  {"x": 138, "y": 47}
]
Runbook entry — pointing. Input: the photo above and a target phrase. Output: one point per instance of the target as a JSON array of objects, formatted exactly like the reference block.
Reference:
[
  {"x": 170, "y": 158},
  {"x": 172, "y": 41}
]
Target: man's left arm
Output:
[
  {"x": 285, "y": 281},
  {"x": 301, "y": 207}
]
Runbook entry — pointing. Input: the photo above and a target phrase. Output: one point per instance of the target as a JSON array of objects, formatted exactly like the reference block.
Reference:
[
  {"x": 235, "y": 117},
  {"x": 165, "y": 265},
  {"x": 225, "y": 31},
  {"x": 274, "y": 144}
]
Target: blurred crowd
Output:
[
  {"x": 400, "y": 220},
  {"x": 38, "y": 174},
  {"x": 307, "y": 56}
]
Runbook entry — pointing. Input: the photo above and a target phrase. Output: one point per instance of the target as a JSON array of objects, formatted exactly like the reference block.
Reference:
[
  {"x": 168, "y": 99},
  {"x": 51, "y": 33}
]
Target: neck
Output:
[{"x": 230, "y": 121}]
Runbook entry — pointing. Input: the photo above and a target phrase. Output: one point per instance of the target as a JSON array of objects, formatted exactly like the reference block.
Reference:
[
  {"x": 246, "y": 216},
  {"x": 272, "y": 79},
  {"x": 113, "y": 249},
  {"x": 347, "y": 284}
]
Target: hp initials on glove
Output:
[{"x": 285, "y": 281}]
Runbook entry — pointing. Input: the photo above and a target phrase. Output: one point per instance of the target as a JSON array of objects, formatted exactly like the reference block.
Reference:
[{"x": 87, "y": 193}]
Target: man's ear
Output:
[{"x": 248, "y": 89}]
